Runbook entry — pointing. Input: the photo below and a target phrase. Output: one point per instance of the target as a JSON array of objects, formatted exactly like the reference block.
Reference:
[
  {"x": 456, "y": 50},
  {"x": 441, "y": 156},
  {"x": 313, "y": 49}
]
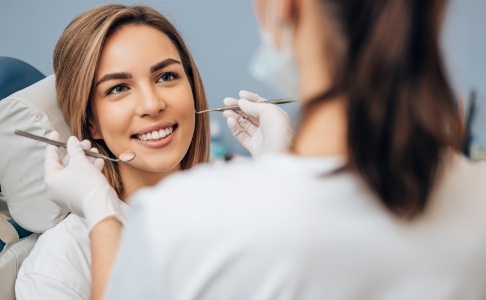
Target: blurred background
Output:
[{"x": 223, "y": 35}]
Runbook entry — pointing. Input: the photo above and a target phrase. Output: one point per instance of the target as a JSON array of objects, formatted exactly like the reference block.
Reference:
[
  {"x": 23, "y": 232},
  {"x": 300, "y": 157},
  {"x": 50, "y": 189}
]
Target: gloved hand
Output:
[
  {"x": 259, "y": 127},
  {"x": 77, "y": 184}
]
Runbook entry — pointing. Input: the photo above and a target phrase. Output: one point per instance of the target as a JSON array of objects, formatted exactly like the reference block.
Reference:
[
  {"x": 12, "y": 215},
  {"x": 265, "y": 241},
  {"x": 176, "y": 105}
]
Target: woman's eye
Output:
[
  {"x": 117, "y": 89},
  {"x": 167, "y": 77}
]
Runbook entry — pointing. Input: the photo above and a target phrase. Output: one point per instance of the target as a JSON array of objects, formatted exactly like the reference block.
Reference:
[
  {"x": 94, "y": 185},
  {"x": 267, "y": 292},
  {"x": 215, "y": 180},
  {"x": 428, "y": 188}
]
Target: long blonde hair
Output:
[{"x": 76, "y": 58}]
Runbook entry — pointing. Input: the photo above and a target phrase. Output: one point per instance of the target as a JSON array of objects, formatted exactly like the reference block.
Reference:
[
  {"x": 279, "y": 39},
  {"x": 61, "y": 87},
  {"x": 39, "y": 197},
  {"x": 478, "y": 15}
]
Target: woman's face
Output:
[{"x": 143, "y": 101}]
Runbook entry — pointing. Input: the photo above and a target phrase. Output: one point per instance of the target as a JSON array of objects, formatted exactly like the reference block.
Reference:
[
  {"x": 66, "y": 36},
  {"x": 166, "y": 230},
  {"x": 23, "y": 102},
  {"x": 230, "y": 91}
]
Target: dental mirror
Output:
[
  {"x": 124, "y": 157},
  {"x": 127, "y": 156}
]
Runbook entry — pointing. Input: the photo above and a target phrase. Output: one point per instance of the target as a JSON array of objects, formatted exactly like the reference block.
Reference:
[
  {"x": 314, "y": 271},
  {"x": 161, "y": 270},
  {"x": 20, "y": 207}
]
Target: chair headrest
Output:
[
  {"x": 33, "y": 109},
  {"x": 15, "y": 75}
]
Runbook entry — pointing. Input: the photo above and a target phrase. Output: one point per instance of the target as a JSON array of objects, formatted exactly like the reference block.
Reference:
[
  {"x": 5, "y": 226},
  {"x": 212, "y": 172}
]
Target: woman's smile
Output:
[{"x": 155, "y": 137}]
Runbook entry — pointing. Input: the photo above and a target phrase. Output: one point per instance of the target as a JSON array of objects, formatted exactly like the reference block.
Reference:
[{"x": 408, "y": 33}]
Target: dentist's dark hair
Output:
[{"x": 402, "y": 114}]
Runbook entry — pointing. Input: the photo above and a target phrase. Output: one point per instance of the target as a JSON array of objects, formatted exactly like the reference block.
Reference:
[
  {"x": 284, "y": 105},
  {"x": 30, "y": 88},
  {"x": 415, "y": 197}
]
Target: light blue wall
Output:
[
  {"x": 465, "y": 44},
  {"x": 223, "y": 35}
]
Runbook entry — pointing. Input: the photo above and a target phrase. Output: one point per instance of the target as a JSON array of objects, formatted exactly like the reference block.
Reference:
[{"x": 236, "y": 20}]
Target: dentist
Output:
[{"x": 372, "y": 200}]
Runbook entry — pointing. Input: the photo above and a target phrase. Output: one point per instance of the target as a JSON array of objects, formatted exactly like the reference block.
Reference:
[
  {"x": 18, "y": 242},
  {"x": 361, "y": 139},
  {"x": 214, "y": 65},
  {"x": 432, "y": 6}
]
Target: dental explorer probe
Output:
[
  {"x": 124, "y": 157},
  {"x": 235, "y": 107}
]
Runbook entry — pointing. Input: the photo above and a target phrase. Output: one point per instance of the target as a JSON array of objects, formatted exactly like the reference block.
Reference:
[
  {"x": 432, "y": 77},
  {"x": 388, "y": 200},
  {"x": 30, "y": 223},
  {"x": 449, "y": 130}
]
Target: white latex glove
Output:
[
  {"x": 259, "y": 127},
  {"x": 77, "y": 184}
]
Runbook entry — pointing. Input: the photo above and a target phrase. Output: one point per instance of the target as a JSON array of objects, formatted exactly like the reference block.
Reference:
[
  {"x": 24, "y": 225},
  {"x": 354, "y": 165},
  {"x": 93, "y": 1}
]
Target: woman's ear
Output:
[
  {"x": 287, "y": 10},
  {"x": 94, "y": 130},
  {"x": 274, "y": 15}
]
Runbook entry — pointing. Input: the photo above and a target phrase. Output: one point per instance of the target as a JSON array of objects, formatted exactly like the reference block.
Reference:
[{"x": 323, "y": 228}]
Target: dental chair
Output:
[
  {"x": 34, "y": 109},
  {"x": 16, "y": 75}
]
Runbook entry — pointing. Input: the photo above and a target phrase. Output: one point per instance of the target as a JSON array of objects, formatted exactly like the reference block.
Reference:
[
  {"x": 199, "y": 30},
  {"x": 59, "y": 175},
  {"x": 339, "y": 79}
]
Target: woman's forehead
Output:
[{"x": 135, "y": 45}]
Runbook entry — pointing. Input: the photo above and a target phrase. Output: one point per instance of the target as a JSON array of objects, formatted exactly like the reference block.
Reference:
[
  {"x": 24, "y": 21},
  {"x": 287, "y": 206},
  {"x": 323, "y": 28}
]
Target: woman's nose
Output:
[{"x": 151, "y": 102}]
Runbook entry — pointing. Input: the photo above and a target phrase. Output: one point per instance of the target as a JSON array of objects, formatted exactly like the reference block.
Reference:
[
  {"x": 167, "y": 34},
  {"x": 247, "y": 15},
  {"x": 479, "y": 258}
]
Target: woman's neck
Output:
[
  {"x": 324, "y": 130},
  {"x": 134, "y": 179}
]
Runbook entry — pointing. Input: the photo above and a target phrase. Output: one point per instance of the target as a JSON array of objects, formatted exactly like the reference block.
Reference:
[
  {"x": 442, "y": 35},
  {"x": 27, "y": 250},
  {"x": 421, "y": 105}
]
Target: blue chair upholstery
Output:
[{"x": 16, "y": 75}]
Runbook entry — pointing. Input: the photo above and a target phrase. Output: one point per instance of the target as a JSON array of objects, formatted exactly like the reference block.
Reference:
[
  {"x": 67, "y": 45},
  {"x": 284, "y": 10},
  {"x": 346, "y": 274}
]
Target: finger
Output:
[
  {"x": 74, "y": 149},
  {"x": 90, "y": 158},
  {"x": 241, "y": 115},
  {"x": 52, "y": 161},
  {"x": 230, "y": 101},
  {"x": 231, "y": 114},
  {"x": 85, "y": 144},
  {"x": 252, "y": 109},
  {"x": 247, "y": 126},
  {"x": 251, "y": 96},
  {"x": 239, "y": 125},
  {"x": 54, "y": 135},
  {"x": 239, "y": 133},
  {"x": 99, "y": 163},
  {"x": 65, "y": 160},
  {"x": 233, "y": 125},
  {"x": 260, "y": 110}
]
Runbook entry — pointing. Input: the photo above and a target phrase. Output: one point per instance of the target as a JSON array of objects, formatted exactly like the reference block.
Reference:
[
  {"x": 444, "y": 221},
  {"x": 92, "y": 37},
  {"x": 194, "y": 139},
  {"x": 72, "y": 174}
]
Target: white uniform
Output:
[
  {"x": 283, "y": 227},
  {"x": 59, "y": 266}
]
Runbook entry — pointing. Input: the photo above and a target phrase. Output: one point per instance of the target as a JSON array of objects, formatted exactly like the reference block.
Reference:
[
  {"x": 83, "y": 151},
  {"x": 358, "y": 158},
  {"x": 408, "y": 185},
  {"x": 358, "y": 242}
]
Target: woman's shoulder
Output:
[
  {"x": 463, "y": 180},
  {"x": 58, "y": 266},
  {"x": 71, "y": 229},
  {"x": 463, "y": 173},
  {"x": 67, "y": 242}
]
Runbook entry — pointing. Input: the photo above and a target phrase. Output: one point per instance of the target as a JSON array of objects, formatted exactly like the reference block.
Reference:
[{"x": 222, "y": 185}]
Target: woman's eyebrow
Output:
[
  {"x": 154, "y": 68},
  {"x": 112, "y": 76},
  {"x": 163, "y": 64}
]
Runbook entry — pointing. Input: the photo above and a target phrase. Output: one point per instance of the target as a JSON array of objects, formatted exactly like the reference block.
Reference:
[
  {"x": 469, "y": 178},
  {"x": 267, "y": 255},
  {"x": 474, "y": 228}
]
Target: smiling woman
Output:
[
  {"x": 125, "y": 81},
  {"x": 142, "y": 101}
]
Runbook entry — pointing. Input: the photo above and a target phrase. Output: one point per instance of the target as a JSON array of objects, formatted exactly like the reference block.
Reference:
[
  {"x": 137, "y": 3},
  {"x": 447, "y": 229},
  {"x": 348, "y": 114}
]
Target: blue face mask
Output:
[{"x": 276, "y": 68}]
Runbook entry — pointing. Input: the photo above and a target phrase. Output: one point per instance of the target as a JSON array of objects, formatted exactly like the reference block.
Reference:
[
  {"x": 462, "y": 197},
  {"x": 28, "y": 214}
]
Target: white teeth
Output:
[{"x": 155, "y": 135}]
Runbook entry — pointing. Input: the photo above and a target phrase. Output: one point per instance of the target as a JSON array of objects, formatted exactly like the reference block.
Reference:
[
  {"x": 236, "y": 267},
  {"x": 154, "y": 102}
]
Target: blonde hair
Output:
[{"x": 76, "y": 57}]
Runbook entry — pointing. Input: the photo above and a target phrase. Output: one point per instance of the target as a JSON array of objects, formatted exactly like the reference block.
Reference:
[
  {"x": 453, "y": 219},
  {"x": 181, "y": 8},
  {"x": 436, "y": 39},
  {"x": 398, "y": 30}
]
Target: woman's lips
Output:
[{"x": 150, "y": 139}]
